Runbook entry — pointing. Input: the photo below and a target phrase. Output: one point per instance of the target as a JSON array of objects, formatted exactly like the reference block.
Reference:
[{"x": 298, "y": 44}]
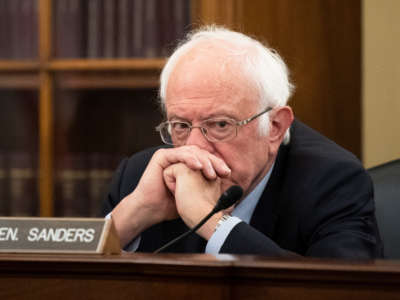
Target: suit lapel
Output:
[{"x": 266, "y": 212}]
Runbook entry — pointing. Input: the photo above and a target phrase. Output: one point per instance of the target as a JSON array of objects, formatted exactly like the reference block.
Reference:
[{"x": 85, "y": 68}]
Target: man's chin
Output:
[{"x": 226, "y": 184}]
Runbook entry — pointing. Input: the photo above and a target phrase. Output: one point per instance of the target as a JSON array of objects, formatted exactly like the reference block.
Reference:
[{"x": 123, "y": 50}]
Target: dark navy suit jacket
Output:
[{"x": 318, "y": 202}]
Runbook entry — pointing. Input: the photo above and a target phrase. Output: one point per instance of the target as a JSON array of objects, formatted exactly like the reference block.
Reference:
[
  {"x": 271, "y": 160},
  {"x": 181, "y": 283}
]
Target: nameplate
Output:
[{"x": 58, "y": 235}]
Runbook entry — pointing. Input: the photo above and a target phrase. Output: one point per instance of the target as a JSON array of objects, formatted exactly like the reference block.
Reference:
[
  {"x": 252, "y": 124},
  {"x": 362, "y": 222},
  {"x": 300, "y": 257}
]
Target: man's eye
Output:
[
  {"x": 222, "y": 124},
  {"x": 218, "y": 124},
  {"x": 180, "y": 126}
]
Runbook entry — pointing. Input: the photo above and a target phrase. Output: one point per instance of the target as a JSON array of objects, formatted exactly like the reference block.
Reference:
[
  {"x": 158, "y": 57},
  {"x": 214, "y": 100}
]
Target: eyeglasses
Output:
[{"x": 214, "y": 130}]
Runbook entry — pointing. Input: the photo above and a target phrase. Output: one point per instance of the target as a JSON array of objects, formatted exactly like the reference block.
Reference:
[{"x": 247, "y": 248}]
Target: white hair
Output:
[{"x": 263, "y": 67}]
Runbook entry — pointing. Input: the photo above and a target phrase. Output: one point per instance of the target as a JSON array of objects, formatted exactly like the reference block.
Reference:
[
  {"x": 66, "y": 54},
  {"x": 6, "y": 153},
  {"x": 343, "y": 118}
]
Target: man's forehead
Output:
[
  {"x": 201, "y": 108},
  {"x": 206, "y": 79},
  {"x": 216, "y": 54},
  {"x": 210, "y": 75}
]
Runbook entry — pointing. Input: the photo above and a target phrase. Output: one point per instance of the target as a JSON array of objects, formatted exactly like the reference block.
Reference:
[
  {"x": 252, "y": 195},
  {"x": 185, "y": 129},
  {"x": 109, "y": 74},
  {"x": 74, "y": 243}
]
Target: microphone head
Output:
[{"x": 229, "y": 197}]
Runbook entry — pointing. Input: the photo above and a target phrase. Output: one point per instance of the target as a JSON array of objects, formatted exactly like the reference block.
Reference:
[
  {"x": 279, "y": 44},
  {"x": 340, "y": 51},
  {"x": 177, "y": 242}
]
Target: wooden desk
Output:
[{"x": 168, "y": 276}]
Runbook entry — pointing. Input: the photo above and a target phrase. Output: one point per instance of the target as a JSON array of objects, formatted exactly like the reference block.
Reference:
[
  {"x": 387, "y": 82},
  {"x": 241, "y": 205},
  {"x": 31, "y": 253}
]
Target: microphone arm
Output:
[{"x": 227, "y": 199}]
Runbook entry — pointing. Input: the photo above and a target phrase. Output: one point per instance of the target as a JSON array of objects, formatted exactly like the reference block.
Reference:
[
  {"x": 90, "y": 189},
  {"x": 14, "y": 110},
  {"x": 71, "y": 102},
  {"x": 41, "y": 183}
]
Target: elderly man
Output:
[{"x": 224, "y": 95}]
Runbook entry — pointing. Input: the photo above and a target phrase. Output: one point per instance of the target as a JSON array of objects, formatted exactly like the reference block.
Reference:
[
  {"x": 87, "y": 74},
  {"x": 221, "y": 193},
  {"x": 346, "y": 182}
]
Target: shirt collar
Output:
[{"x": 244, "y": 210}]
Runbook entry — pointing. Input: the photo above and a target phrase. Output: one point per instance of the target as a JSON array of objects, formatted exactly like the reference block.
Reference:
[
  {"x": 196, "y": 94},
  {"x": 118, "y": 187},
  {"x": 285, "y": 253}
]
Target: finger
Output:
[
  {"x": 220, "y": 167},
  {"x": 212, "y": 166},
  {"x": 167, "y": 157},
  {"x": 196, "y": 159},
  {"x": 170, "y": 179},
  {"x": 207, "y": 166}
]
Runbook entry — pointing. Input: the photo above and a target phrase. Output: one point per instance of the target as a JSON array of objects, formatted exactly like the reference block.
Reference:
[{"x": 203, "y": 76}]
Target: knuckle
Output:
[
  {"x": 159, "y": 153},
  {"x": 189, "y": 152},
  {"x": 192, "y": 148}
]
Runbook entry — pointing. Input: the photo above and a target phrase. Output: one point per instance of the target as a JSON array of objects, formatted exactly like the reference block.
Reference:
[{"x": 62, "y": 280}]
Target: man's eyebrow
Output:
[
  {"x": 221, "y": 115},
  {"x": 175, "y": 117},
  {"x": 224, "y": 114}
]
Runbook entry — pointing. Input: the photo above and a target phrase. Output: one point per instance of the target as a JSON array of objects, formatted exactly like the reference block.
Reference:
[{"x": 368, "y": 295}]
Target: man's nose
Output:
[{"x": 197, "y": 138}]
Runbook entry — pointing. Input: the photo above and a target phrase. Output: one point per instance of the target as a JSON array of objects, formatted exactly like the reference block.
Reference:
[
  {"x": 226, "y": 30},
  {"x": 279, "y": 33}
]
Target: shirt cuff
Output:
[
  {"x": 218, "y": 238},
  {"x": 133, "y": 245}
]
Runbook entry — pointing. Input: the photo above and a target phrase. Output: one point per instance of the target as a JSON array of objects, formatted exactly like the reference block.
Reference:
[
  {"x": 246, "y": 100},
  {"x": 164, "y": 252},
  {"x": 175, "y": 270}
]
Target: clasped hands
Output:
[{"x": 183, "y": 181}]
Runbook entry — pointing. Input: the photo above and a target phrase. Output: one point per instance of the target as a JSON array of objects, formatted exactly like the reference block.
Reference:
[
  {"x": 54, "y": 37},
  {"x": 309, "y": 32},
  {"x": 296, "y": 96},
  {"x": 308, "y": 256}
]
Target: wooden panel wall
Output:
[{"x": 320, "y": 40}]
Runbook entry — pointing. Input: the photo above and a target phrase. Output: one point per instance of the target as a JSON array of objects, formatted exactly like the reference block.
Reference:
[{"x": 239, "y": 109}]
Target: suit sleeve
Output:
[
  {"x": 345, "y": 225},
  {"x": 244, "y": 239},
  {"x": 114, "y": 192},
  {"x": 126, "y": 178},
  {"x": 338, "y": 221}
]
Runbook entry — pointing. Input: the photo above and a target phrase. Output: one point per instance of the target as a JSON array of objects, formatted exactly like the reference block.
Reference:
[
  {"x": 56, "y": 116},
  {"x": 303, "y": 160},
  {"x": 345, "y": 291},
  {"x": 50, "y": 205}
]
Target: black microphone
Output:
[{"x": 227, "y": 199}]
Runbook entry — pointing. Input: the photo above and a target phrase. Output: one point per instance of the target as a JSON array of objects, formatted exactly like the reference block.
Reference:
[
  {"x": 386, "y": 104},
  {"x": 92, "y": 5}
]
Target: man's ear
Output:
[{"x": 280, "y": 120}]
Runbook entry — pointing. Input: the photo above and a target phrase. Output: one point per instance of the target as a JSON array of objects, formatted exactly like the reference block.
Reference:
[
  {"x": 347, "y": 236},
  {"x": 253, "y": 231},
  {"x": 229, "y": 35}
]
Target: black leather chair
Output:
[{"x": 386, "y": 179}]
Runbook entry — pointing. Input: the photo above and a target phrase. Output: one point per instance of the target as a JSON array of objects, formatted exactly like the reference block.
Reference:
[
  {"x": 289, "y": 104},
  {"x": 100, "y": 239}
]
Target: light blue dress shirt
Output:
[{"x": 242, "y": 212}]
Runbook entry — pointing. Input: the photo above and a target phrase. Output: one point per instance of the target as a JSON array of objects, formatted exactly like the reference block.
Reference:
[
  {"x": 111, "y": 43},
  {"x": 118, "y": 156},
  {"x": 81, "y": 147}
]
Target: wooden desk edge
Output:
[{"x": 200, "y": 265}]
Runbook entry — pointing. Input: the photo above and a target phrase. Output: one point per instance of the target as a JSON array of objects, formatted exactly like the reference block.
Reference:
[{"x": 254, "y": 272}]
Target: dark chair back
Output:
[{"x": 386, "y": 179}]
